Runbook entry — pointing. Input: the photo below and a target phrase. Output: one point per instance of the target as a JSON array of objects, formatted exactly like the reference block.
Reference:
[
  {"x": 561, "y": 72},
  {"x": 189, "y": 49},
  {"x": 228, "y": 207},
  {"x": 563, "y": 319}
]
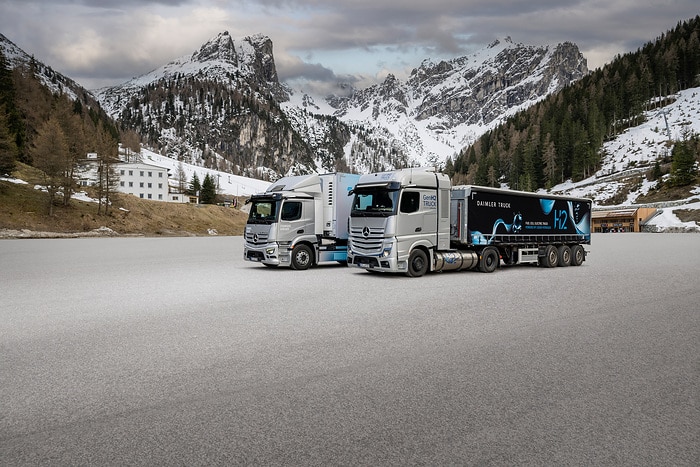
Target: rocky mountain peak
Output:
[
  {"x": 256, "y": 51},
  {"x": 220, "y": 47}
]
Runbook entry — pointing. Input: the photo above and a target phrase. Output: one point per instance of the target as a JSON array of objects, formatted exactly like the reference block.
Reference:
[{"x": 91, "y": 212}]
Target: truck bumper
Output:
[
  {"x": 377, "y": 263},
  {"x": 269, "y": 254}
]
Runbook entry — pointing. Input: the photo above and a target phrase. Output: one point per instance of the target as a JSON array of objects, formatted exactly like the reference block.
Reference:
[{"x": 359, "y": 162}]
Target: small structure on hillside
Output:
[{"x": 622, "y": 220}]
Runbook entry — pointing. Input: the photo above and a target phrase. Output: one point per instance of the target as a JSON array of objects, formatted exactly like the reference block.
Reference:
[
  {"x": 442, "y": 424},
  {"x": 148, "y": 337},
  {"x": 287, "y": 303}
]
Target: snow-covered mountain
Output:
[
  {"x": 56, "y": 82},
  {"x": 245, "y": 64},
  {"x": 218, "y": 108},
  {"x": 224, "y": 107},
  {"x": 443, "y": 107}
]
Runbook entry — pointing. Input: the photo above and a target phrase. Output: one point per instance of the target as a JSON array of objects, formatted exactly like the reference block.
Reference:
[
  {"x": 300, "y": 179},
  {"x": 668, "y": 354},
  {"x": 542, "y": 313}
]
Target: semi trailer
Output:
[
  {"x": 300, "y": 221},
  {"x": 413, "y": 221}
]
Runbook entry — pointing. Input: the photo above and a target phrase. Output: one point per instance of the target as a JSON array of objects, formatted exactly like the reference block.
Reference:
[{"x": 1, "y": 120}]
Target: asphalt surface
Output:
[{"x": 175, "y": 351}]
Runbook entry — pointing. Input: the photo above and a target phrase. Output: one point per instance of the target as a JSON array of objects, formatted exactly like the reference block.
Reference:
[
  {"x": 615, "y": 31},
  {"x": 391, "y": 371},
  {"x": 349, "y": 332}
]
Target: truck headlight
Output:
[
  {"x": 269, "y": 251},
  {"x": 386, "y": 252}
]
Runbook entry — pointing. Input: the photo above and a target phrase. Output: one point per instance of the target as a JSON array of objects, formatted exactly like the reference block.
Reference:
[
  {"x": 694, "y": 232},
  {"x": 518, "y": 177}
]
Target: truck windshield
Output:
[
  {"x": 376, "y": 201},
  {"x": 263, "y": 211}
]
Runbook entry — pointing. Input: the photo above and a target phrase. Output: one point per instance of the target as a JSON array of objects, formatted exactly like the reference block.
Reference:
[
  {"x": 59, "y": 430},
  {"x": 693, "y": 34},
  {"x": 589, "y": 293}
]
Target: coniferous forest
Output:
[{"x": 561, "y": 137}]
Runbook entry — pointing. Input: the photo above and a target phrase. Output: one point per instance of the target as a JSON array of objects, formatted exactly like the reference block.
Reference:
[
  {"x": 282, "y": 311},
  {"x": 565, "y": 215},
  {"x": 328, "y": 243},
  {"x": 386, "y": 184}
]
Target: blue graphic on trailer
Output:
[
  {"x": 547, "y": 205},
  {"x": 568, "y": 218},
  {"x": 583, "y": 226},
  {"x": 516, "y": 227}
]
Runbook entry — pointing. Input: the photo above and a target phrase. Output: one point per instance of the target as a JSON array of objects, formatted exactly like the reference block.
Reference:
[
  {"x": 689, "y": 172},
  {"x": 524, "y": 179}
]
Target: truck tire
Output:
[
  {"x": 550, "y": 258},
  {"x": 302, "y": 258},
  {"x": 488, "y": 260},
  {"x": 564, "y": 253},
  {"x": 417, "y": 263},
  {"x": 578, "y": 255}
]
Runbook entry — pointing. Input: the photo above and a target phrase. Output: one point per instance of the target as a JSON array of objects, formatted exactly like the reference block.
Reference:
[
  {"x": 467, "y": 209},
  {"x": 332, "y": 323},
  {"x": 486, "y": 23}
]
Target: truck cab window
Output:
[
  {"x": 291, "y": 211},
  {"x": 410, "y": 201},
  {"x": 263, "y": 211}
]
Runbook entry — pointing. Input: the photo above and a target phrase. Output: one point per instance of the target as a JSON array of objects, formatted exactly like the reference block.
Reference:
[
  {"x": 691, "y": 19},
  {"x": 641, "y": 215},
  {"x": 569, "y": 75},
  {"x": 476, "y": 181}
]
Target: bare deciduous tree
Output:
[
  {"x": 131, "y": 143},
  {"x": 108, "y": 178},
  {"x": 181, "y": 178},
  {"x": 73, "y": 128},
  {"x": 51, "y": 155}
]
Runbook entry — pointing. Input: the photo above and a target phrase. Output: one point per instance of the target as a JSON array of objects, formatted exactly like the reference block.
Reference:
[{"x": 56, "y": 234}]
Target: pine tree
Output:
[
  {"x": 13, "y": 122},
  {"x": 208, "y": 193},
  {"x": 683, "y": 170},
  {"x": 8, "y": 148},
  {"x": 195, "y": 185}
]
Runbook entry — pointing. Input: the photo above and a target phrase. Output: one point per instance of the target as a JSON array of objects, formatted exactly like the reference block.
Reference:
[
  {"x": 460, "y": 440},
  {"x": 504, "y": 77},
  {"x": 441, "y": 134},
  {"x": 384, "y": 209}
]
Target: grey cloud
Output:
[{"x": 305, "y": 28}]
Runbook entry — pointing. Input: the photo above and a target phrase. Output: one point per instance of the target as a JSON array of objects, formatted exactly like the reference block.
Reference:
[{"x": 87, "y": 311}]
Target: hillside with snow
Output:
[
  {"x": 228, "y": 184},
  {"x": 631, "y": 155}
]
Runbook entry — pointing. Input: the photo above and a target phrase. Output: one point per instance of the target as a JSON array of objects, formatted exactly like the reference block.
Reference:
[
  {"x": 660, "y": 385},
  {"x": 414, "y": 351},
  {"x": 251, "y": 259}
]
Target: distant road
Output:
[{"x": 175, "y": 351}]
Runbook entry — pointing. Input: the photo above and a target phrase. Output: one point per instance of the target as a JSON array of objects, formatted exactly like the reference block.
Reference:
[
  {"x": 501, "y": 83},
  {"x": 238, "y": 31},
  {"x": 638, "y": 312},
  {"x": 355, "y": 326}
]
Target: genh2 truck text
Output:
[{"x": 413, "y": 221}]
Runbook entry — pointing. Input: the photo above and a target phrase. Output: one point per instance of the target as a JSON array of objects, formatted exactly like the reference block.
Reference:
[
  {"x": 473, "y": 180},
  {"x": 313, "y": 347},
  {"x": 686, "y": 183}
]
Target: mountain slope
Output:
[
  {"x": 630, "y": 156},
  {"x": 223, "y": 107},
  {"x": 443, "y": 107},
  {"x": 54, "y": 81},
  {"x": 217, "y": 108}
]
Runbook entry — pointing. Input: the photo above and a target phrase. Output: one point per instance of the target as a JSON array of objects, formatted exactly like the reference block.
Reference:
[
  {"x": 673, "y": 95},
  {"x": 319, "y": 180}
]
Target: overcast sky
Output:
[{"x": 106, "y": 42}]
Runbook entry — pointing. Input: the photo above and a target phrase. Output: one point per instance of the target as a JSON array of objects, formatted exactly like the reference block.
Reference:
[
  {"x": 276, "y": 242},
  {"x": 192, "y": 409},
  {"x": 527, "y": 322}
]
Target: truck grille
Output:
[
  {"x": 256, "y": 238},
  {"x": 366, "y": 240}
]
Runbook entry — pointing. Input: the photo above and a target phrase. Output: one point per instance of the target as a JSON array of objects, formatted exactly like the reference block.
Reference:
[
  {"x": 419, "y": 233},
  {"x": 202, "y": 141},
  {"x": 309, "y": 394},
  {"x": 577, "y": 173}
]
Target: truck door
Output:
[
  {"x": 296, "y": 218},
  {"x": 418, "y": 214}
]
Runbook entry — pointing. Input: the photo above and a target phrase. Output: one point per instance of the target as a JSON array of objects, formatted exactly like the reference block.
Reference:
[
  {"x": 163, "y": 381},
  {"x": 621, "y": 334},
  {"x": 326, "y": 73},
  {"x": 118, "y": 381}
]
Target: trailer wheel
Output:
[
  {"x": 417, "y": 263},
  {"x": 301, "y": 257},
  {"x": 578, "y": 255},
  {"x": 550, "y": 258},
  {"x": 564, "y": 253},
  {"x": 488, "y": 260}
]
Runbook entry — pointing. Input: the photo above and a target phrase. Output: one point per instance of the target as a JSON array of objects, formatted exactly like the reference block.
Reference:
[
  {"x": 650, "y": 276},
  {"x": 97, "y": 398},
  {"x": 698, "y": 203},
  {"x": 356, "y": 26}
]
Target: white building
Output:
[
  {"x": 140, "y": 179},
  {"x": 145, "y": 181}
]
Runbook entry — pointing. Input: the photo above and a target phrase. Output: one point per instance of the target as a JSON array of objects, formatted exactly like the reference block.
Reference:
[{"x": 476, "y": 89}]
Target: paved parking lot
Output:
[{"x": 175, "y": 351}]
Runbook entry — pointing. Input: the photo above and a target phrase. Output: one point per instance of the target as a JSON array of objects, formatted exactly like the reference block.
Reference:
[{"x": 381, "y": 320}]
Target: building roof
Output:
[{"x": 614, "y": 214}]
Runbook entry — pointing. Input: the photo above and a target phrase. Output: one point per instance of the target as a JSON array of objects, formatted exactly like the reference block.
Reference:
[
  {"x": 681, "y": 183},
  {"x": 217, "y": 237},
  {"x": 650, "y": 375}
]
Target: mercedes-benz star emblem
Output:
[
  {"x": 365, "y": 232},
  {"x": 255, "y": 238}
]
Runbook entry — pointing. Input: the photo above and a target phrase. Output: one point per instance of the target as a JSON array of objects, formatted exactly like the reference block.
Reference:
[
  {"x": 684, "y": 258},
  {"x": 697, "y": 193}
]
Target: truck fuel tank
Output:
[{"x": 455, "y": 260}]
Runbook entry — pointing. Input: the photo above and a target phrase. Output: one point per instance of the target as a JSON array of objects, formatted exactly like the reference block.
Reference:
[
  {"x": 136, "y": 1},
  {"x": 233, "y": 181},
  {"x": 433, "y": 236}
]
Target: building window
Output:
[
  {"x": 175, "y": 198},
  {"x": 131, "y": 172},
  {"x": 160, "y": 174},
  {"x": 141, "y": 184},
  {"x": 121, "y": 184},
  {"x": 150, "y": 174},
  {"x": 140, "y": 195},
  {"x": 141, "y": 173},
  {"x": 150, "y": 185},
  {"x": 160, "y": 197},
  {"x": 160, "y": 186},
  {"x": 131, "y": 184},
  {"x": 121, "y": 172},
  {"x": 150, "y": 196}
]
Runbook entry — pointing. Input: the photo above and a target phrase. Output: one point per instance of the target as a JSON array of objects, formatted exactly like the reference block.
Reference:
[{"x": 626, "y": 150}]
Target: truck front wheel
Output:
[
  {"x": 489, "y": 259},
  {"x": 417, "y": 263},
  {"x": 301, "y": 257}
]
